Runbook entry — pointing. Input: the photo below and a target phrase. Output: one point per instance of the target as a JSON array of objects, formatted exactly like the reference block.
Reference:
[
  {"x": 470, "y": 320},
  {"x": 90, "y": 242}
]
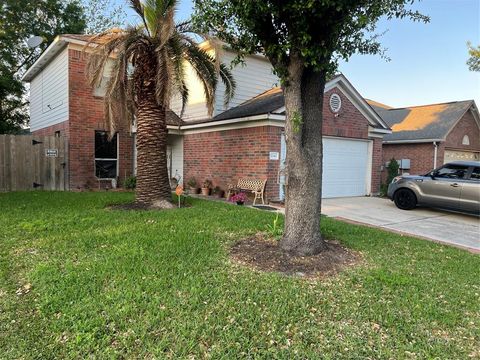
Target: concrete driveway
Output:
[{"x": 447, "y": 227}]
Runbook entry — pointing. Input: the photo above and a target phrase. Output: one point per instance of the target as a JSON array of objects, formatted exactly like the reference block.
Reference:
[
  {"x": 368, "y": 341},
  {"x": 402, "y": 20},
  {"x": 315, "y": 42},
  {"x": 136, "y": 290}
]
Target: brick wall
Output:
[
  {"x": 420, "y": 155},
  {"x": 466, "y": 126},
  {"x": 86, "y": 115},
  {"x": 51, "y": 130},
  {"x": 225, "y": 156},
  {"x": 377, "y": 162}
]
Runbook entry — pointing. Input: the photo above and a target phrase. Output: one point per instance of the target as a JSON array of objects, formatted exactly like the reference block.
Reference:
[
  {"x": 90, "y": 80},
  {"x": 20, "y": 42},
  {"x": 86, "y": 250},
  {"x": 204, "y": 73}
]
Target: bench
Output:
[{"x": 255, "y": 186}]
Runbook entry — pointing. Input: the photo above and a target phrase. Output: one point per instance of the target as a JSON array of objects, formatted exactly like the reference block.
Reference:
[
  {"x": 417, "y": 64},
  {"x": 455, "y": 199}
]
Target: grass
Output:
[{"x": 78, "y": 280}]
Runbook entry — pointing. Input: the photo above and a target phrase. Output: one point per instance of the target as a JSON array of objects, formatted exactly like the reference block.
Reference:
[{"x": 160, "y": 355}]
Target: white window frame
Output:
[{"x": 107, "y": 159}]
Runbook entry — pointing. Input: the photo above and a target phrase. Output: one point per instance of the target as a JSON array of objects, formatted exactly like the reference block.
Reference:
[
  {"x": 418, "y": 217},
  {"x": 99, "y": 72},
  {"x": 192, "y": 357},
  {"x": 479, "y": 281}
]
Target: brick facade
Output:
[
  {"x": 224, "y": 156},
  {"x": 85, "y": 116},
  {"x": 421, "y": 155}
]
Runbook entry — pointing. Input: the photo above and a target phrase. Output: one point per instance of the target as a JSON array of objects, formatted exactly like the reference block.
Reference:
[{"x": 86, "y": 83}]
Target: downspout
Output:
[{"x": 435, "y": 154}]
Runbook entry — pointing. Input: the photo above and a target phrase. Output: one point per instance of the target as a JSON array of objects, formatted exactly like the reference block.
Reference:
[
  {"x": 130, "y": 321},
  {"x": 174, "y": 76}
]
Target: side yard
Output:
[{"x": 79, "y": 280}]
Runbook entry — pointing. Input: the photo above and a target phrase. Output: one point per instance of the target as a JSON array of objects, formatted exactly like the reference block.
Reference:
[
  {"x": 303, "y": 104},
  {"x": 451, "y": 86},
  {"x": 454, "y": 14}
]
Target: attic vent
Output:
[
  {"x": 466, "y": 140},
  {"x": 335, "y": 103}
]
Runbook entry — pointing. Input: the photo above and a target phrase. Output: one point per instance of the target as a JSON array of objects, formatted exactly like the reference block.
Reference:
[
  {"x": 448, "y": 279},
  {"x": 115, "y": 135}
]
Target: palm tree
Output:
[{"x": 149, "y": 68}]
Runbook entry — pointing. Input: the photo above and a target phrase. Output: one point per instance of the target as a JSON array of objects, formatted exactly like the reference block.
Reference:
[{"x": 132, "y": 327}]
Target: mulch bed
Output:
[{"x": 264, "y": 254}]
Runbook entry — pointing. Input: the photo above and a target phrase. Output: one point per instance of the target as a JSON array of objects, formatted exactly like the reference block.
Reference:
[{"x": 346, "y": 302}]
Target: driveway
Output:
[{"x": 451, "y": 228}]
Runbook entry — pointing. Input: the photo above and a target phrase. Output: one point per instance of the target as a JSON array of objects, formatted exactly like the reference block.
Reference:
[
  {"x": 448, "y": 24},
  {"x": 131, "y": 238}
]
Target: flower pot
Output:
[
  {"x": 240, "y": 202},
  {"x": 205, "y": 191},
  {"x": 192, "y": 190}
]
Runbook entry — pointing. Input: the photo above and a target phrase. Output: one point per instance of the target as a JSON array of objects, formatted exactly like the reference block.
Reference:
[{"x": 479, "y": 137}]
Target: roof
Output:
[
  {"x": 376, "y": 104},
  {"x": 272, "y": 102},
  {"x": 57, "y": 45},
  {"x": 173, "y": 119},
  {"x": 266, "y": 103},
  {"x": 426, "y": 122}
]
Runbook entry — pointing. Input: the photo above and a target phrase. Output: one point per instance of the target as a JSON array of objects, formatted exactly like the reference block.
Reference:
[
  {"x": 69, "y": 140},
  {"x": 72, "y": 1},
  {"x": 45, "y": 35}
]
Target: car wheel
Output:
[{"x": 405, "y": 199}]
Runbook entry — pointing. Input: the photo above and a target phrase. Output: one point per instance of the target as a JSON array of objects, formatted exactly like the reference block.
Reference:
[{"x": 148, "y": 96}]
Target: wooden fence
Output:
[{"x": 30, "y": 162}]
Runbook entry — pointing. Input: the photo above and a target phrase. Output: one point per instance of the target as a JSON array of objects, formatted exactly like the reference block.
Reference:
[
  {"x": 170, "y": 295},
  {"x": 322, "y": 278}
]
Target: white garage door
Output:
[{"x": 345, "y": 166}]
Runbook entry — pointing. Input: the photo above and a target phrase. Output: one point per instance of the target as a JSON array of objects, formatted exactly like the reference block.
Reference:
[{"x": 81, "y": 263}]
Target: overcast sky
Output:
[{"x": 427, "y": 60}]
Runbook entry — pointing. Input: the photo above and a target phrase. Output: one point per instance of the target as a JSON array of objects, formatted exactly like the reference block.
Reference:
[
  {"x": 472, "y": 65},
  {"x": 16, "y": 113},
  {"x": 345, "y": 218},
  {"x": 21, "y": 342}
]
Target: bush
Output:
[
  {"x": 392, "y": 171},
  {"x": 130, "y": 183}
]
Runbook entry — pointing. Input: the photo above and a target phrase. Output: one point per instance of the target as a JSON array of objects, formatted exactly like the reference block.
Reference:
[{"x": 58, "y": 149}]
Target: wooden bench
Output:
[{"x": 255, "y": 186}]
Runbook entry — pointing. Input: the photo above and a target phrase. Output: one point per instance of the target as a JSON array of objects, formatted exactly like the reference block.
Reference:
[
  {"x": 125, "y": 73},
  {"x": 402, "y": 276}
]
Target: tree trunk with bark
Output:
[
  {"x": 303, "y": 93},
  {"x": 153, "y": 185}
]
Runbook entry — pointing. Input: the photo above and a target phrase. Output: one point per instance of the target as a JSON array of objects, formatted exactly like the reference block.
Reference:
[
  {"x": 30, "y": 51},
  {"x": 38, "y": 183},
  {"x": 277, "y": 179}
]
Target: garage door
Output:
[
  {"x": 455, "y": 155},
  {"x": 345, "y": 166}
]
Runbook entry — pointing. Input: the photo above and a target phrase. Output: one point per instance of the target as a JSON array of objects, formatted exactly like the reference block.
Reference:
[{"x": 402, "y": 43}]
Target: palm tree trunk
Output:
[{"x": 153, "y": 185}]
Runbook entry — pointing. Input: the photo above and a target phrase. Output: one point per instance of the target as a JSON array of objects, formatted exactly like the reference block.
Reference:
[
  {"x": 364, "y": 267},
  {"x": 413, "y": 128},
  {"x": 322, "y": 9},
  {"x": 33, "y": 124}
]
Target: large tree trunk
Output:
[
  {"x": 303, "y": 133},
  {"x": 153, "y": 185}
]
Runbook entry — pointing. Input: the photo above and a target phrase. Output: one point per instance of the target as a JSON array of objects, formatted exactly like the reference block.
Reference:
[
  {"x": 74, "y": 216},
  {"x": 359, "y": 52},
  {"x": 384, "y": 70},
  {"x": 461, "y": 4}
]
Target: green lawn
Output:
[{"x": 141, "y": 284}]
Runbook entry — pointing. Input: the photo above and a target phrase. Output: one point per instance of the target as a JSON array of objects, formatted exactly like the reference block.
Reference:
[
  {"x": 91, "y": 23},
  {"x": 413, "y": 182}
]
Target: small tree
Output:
[
  {"x": 392, "y": 170},
  {"x": 303, "y": 41}
]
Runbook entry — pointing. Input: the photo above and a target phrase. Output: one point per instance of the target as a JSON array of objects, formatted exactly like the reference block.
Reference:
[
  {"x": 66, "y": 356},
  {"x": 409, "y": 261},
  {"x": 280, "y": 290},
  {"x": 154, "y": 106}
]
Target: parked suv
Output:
[{"x": 455, "y": 185}]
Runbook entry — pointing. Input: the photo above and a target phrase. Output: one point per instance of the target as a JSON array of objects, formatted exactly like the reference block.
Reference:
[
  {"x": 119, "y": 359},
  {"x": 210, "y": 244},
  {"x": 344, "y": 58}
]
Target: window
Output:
[
  {"x": 466, "y": 140},
  {"x": 106, "y": 156},
  {"x": 451, "y": 172},
  {"x": 475, "y": 174}
]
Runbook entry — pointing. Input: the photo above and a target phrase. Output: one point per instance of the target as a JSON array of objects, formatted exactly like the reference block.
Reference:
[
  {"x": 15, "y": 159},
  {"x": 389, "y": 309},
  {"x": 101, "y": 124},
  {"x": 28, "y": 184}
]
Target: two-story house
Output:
[{"x": 244, "y": 139}]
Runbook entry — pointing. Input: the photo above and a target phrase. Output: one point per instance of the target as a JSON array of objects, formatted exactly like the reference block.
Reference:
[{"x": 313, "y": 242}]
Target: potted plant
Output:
[
  {"x": 218, "y": 192},
  {"x": 192, "y": 185},
  {"x": 206, "y": 187},
  {"x": 239, "y": 198}
]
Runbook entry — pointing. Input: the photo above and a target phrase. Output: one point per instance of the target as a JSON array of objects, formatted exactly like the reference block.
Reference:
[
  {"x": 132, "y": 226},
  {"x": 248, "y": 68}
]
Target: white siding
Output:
[
  {"x": 253, "y": 77},
  {"x": 175, "y": 144},
  {"x": 49, "y": 94},
  {"x": 196, "y": 108}
]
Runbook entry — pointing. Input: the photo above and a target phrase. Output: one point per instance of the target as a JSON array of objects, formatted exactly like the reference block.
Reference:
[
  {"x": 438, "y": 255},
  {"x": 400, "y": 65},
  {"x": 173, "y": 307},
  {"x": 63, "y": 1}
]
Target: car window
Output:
[
  {"x": 451, "y": 172},
  {"x": 475, "y": 174}
]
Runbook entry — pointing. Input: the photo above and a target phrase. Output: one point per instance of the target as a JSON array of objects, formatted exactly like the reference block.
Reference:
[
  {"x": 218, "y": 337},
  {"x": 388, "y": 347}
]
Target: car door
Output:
[
  {"x": 470, "y": 195},
  {"x": 443, "y": 189}
]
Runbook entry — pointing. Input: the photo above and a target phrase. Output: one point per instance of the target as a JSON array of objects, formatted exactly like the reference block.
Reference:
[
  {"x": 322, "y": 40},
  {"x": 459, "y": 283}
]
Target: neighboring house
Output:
[
  {"x": 428, "y": 136},
  {"x": 243, "y": 139}
]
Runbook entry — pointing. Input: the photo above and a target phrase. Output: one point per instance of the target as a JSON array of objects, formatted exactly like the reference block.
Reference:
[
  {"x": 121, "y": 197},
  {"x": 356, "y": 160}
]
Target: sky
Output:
[{"x": 427, "y": 60}]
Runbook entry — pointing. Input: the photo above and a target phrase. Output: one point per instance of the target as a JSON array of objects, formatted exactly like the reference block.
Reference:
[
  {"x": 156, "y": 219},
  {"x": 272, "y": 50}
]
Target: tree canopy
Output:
[
  {"x": 473, "y": 61},
  {"x": 19, "y": 20},
  {"x": 320, "y": 31}
]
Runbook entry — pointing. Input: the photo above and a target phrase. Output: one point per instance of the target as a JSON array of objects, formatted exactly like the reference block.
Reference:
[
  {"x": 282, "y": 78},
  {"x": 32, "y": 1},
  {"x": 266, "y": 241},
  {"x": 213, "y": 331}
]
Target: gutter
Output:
[
  {"x": 435, "y": 154},
  {"x": 412, "y": 141}
]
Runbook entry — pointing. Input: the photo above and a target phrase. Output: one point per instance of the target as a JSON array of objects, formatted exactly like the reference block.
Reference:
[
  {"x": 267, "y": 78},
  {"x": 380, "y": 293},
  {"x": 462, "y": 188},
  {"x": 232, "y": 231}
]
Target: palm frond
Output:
[
  {"x": 203, "y": 65},
  {"x": 229, "y": 82}
]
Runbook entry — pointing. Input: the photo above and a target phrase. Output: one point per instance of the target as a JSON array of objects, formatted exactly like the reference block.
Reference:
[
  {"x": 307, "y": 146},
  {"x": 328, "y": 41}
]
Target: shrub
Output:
[
  {"x": 192, "y": 183},
  {"x": 130, "y": 182},
  {"x": 207, "y": 184}
]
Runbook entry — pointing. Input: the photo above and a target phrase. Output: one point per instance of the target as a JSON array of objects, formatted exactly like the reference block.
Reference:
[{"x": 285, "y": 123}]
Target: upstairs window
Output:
[{"x": 106, "y": 156}]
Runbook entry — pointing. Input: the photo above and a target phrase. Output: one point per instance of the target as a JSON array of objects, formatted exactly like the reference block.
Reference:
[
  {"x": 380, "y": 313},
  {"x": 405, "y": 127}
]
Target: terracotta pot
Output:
[
  {"x": 205, "y": 191},
  {"x": 192, "y": 190}
]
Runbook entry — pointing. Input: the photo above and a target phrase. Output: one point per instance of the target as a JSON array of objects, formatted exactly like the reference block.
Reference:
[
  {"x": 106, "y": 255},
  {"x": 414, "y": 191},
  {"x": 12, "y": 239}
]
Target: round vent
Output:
[{"x": 335, "y": 103}]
